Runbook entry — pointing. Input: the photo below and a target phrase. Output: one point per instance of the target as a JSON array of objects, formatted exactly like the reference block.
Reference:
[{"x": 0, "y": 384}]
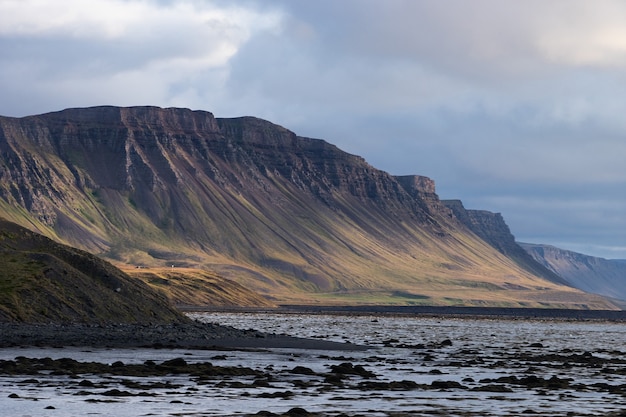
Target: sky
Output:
[{"x": 516, "y": 107}]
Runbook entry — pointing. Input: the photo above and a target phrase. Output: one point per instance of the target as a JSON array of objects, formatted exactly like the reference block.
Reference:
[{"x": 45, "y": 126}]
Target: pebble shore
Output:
[{"x": 176, "y": 335}]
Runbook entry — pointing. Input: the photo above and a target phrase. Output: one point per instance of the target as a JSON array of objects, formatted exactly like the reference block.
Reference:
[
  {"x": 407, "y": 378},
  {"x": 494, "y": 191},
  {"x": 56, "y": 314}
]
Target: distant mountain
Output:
[
  {"x": 42, "y": 281},
  {"x": 595, "y": 275},
  {"x": 291, "y": 218}
]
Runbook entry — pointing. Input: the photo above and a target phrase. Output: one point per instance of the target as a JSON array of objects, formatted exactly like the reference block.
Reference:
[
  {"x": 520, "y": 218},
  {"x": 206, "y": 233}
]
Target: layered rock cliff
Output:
[
  {"x": 492, "y": 228},
  {"x": 293, "y": 218}
]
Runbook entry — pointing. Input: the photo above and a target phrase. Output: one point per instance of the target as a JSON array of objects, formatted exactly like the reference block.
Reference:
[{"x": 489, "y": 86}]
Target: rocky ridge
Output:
[
  {"x": 492, "y": 228},
  {"x": 292, "y": 218}
]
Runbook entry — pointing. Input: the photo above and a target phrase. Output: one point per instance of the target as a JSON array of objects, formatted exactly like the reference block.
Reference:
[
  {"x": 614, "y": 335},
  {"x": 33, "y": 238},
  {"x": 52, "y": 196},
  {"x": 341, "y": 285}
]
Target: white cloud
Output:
[
  {"x": 120, "y": 51},
  {"x": 117, "y": 19},
  {"x": 501, "y": 38},
  {"x": 580, "y": 33},
  {"x": 94, "y": 19}
]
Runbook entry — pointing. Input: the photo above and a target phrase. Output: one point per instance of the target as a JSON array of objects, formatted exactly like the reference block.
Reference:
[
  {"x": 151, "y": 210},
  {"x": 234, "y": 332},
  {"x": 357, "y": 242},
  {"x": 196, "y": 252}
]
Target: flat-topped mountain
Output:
[{"x": 294, "y": 219}]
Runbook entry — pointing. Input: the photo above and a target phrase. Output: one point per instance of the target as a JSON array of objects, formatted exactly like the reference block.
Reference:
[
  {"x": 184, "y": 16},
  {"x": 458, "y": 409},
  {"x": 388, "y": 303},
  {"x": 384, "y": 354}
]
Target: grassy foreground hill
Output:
[
  {"x": 293, "y": 219},
  {"x": 42, "y": 281}
]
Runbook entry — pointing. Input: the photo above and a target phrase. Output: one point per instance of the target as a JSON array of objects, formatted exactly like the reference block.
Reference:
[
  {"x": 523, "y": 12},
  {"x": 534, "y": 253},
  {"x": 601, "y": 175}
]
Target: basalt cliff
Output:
[
  {"x": 293, "y": 219},
  {"x": 492, "y": 228}
]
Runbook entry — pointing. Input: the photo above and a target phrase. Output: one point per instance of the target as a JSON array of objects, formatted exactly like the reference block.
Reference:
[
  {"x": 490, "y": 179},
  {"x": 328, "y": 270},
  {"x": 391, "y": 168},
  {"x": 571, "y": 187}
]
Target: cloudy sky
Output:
[{"x": 517, "y": 107}]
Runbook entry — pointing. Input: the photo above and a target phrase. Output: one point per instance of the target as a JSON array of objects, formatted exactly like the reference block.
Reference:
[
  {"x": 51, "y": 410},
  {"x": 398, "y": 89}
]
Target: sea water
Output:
[{"x": 475, "y": 354}]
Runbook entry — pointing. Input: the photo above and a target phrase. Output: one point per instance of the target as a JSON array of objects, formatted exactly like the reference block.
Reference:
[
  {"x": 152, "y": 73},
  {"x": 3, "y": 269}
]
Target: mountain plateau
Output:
[{"x": 294, "y": 219}]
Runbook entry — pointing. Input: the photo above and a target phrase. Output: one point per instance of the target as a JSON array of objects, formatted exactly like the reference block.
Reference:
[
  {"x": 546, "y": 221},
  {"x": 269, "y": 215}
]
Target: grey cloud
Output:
[
  {"x": 514, "y": 107},
  {"x": 572, "y": 222}
]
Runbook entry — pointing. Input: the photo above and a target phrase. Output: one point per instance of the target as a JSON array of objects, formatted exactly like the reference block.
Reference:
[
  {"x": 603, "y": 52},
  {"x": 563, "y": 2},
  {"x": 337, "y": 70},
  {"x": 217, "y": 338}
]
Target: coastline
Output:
[
  {"x": 197, "y": 335},
  {"x": 417, "y": 366},
  {"x": 192, "y": 335},
  {"x": 503, "y": 313}
]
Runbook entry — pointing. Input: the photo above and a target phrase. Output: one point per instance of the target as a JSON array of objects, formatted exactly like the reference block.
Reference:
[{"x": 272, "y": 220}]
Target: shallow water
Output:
[{"x": 455, "y": 367}]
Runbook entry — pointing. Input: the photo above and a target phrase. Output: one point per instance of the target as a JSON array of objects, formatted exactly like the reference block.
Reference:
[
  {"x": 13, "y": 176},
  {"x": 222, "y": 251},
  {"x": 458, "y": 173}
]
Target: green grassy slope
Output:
[
  {"x": 43, "y": 281},
  {"x": 188, "y": 287}
]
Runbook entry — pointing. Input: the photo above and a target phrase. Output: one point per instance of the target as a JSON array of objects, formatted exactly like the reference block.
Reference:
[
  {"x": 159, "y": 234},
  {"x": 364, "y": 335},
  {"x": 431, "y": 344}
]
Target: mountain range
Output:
[{"x": 291, "y": 219}]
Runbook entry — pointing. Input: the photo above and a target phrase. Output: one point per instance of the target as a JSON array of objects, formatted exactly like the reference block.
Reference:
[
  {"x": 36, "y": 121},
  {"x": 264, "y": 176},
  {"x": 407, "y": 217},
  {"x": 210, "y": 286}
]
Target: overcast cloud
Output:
[{"x": 511, "y": 106}]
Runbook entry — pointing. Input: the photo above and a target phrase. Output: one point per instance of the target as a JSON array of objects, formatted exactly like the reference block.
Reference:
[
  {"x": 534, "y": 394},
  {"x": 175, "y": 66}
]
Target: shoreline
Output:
[
  {"x": 417, "y": 366},
  {"x": 503, "y": 313},
  {"x": 191, "y": 335},
  {"x": 211, "y": 336}
]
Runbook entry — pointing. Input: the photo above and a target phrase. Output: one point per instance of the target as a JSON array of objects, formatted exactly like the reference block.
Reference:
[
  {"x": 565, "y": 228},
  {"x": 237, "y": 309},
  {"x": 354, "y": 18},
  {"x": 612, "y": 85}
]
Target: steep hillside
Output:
[
  {"x": 186, "y": 287},
  {"x": 588, "y": 273},
  {"x": 292, "y": 218},
  {"x": 43, "y": 281},
  {"x": 492, "y": 228}
]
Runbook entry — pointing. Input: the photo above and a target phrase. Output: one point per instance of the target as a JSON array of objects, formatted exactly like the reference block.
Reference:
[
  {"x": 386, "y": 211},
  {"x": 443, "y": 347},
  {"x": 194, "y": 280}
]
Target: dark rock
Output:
[
  {"x": 30, "y": 381},
  {"x": 175, "y": 363},
  {"x": 277, "y": 394},
  {"x": 261, "y": 383},
  {"x": 446, "y": 385},
  {"x": 334, "y": 379},
  {"x": 348, "y": 368},
  {"x": 297, "y": 412},
  {"x": 117, "y": 393},
  {"x": 86, "y": 383},
  {"x": 531, "y": 381},
  {"x": 302, "y": 370},
  {"x": 446, "y": 342},
  {"x": 493, "y": 388}
]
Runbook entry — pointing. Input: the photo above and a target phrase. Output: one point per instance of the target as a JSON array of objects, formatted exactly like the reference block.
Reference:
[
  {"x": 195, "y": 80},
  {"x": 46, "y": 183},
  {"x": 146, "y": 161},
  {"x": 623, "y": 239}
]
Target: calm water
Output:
[{"x": 474, "y": 354}]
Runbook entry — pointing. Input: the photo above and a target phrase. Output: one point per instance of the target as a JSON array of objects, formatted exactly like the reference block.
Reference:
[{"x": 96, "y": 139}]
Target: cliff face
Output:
[
  {"x": 492, "y": 228},
  {"x": 588, "y": 273},
  {"x": 293, "y": 218}
]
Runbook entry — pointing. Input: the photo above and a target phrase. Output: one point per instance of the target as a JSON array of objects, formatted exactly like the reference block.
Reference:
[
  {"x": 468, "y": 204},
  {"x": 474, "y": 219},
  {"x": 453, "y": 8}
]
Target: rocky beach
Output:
[
  {"x": 192, "y": 334},
  {"x": 338, "y": 365}
]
